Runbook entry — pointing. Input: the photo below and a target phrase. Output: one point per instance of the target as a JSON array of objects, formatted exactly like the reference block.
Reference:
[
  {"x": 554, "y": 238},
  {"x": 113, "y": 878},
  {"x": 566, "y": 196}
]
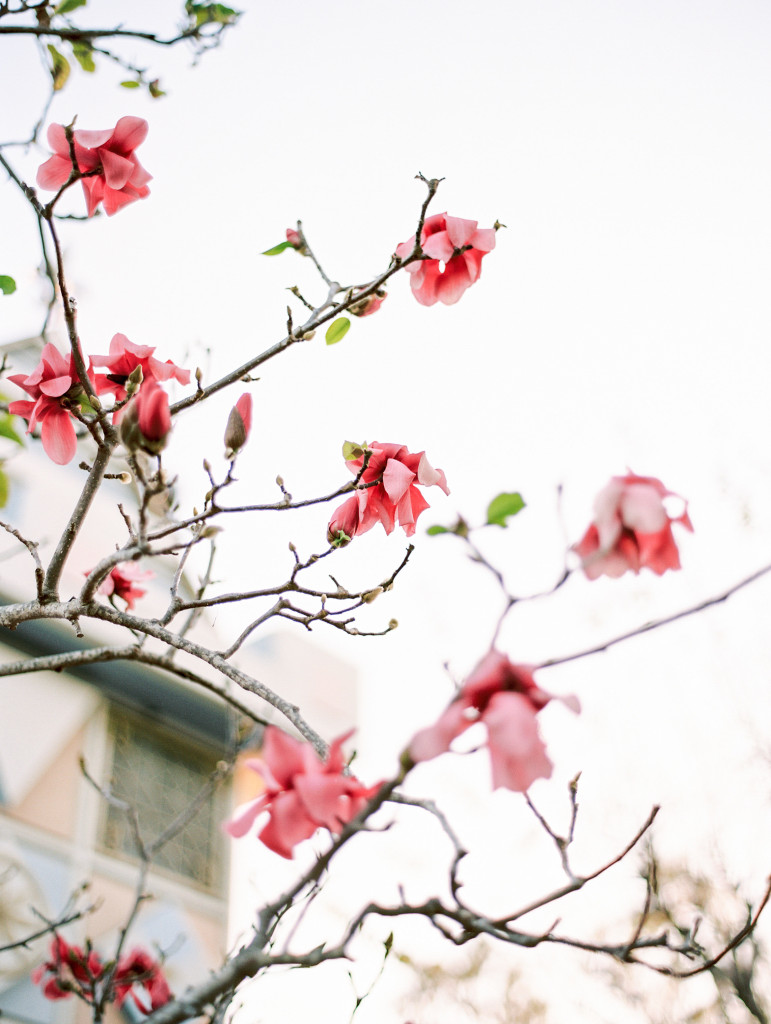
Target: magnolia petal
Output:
[
  {"x": 460, "y": 231},
  {"x": 397, "y": 479},
  {"x": 439, "y": 246},
  {"x": 456, "y": 278},
  {"x": 289, "y": 824},
  {"x": 55, "y": 387},
  {"x": 517, "y": 752},
  {"x": 322, "y": 798},
  {"x": 642, "y": 509},
  {"x": 58, "y": 436},
  {"x": 245, "y": 816},
  {"x": 92, "y": 138},
  {"x": 658, "y": 551},
  {"x": 436, "y": 739},
  {"x": 53, "y": 173},
  {"x": 117, "y": 169},
  {"x": 283, "y": 755},
  {"x": 129, "y": 133},
  {"x": 428, "y": 476}
]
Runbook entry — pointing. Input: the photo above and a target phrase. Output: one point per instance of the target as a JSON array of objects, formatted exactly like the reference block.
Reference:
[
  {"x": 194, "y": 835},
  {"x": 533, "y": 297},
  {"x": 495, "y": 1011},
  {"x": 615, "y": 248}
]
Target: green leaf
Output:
[
  {"x": 503, "y": 506},
  {"x": 206, "y": 14},
  {"x": 338, "y": 330},
  {"x": 3, "y": 489},
  {"x": 277, "y": 249},
  {"x": 155, "y": 89},
  {"x": 389, "y": 943},
  {"x": 352, "y": 451},
  {"x": 130, "y": 84},
  {"x": 60, "y": 68},
  {"x": 6, "y": 429},
  {"x": 83, "y": 54},
  {"x": 7, "y": 285},
  {"x": 69, "y": 5},
  {"x": 434, "y": 531}
]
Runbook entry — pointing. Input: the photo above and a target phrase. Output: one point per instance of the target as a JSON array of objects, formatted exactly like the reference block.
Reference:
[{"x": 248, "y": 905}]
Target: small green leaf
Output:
[
  {"x": 155, "y": 89},
  {"x": 130, "y": 84},
  {"x": 3, "y": 489},
  {"x": 60, "y": 68},
  {"x": 83, "y": 54},
  {"x": 6, "y": 429},
  {"x": 206, "y": 14},
  {"x": 69, "y": 5},
  {"x": 277, "y": 249},
  {"x": 338, "y": 330},
  {"x": 503, "y": 506},
  {"x": 389, "y": 943},
  {"x": 352, "y": 451},
  {"x": 434, "y": 531},
  {"x": 7, "y": 285}
]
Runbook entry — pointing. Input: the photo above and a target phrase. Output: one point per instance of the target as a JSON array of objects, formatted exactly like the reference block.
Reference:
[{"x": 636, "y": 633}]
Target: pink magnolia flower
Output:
[
  {"x": 506, "y": 698},
  {"x": 121, "y": 582},
  {"x": 117, "y": 179},
  {"x": 302, "y": 793},
  {"x": 140, "y": 976},
  {"x": 70, "y": 970},
  {"x": 631, "y": 530},
  {"x": 239, "y": 424},
  {"x": 455, "y": 248},
  {"x": 294, "y": 239},
  {"x": 56, "y": 389},
  {"x": 395, "y": 474},
  {"x": 123, "y": 360}
]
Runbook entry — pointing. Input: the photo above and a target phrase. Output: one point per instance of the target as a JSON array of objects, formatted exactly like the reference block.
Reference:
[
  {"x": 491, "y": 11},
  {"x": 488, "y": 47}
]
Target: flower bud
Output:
[
  {"x": 238, "y": 426},
  {"x": 134, "y": 380},
  {"x": 368, "y": 305},
  {"x": 146, "y": 422}
]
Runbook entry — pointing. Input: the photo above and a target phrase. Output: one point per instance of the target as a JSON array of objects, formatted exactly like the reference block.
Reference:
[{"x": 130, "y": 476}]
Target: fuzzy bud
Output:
[{"x": 238, "y": 426}]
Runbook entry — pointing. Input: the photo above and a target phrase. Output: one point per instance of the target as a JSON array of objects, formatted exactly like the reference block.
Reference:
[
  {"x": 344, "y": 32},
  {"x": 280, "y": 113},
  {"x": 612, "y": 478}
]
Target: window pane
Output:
[{"x": 160, "y": 778}]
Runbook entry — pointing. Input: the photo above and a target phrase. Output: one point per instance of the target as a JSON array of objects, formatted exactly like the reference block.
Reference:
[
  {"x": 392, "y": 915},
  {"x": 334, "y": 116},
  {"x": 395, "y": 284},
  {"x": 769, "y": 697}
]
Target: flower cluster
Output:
[
  {"x": 57, "y": 393},
  {"x": 454, "y": 248},
  {"x": 506, "y": 699},
  {"x": 71, "y": 970},
  {"x": 111, "y": 173},
  {"x": 302, "y": 793},
  {"x": 632, "y": 529},
  {"x": 387, "y": 491}
]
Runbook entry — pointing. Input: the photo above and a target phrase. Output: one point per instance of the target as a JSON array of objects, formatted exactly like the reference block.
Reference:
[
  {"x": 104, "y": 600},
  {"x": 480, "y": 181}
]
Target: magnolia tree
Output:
[{"x": 116, "y": 406}]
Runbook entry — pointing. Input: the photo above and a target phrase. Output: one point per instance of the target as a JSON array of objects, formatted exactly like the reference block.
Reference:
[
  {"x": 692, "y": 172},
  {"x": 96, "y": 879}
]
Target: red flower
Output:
[
  {"x": 239, "y": 424},
  {"x": 120, "y": 582},
  {"x": 55, "y": 388},
  {"x": 71, "y": 970},
  {"x": 123, "y": 360},
  {"x": 119, "y": 178},
  {"x": 631, "y": 530},
  {"x": 302, "y": 793},
  {"x": 138, "y": 970},
  {"x": 506, "y": 698},
  {"x": 396, "y": 474},
  {"x": 455, "y": 248}
]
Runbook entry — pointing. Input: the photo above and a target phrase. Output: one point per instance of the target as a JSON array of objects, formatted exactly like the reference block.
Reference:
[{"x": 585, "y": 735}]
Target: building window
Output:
[{"x": 160, "y": 776}]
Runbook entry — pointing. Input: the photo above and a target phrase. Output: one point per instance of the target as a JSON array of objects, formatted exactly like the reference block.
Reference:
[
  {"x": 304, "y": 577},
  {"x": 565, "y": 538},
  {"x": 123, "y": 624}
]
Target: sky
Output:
[{"x": 622, "y": 321}]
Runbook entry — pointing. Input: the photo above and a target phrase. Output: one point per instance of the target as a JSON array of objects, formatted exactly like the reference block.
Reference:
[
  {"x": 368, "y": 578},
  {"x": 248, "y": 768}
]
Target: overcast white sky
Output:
[{"x": 623, "y": 320}]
